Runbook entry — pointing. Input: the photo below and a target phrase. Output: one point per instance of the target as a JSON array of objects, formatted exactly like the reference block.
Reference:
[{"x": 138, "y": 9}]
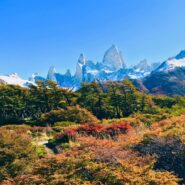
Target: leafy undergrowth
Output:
[
  {"x": 95, "y": 130},
  {"x": 166, "y": 141},
  {"x": 97, "y": 161},
  {"x": 173, "y": 127},
  {"x": 125, "y": 152}
]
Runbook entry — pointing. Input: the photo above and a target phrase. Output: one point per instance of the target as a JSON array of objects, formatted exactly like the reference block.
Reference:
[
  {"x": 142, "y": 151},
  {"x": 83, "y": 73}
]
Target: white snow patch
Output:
[
  {"x": 171, "y": 64},
  {"x": 14, "y": 79},
  {"x": 93, "y": 72}
]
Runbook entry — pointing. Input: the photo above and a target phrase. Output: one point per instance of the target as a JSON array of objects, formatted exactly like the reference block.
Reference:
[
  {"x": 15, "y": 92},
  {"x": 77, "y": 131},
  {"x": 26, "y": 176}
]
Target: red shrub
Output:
[
  {"x": 71, "y": 132},
  {"x": 117, "y": 129},
  {"x": 90, "y": 129},
  {"x": 95, "y": 130}
]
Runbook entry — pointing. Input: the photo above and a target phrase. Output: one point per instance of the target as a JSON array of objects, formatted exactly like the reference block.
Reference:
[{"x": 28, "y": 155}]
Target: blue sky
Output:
[{"x": 35, "y": 34}]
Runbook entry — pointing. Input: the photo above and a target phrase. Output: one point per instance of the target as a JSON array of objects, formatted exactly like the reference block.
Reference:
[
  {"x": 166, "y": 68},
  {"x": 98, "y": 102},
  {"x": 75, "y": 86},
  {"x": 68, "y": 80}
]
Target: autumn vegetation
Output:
[{"x": 103, "y": 134}]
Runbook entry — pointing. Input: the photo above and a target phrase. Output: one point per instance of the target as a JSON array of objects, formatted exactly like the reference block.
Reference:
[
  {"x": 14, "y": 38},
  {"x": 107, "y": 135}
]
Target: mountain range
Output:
[{"x": 167, "y": 77}]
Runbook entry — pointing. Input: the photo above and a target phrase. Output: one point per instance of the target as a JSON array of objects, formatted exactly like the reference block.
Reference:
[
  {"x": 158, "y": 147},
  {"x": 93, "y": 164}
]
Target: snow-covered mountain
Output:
[
  {"x": 169, "y": 77},
  {"x": 15, "y": 79},
  {"x": 158, "y": 78},
  {"x": 140, "y": 70},
  {"x": 112, "y": 67},
  {"x": 165, "y": 78},
  {"x": 173, "y": 63},
  {"x": 142, "y": 66}
]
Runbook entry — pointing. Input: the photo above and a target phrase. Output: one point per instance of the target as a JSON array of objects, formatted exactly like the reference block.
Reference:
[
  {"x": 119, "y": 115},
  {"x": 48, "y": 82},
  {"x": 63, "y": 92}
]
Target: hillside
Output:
[
  {"x": 168, "y": 78},
  {"x": 111, "y": 134}
]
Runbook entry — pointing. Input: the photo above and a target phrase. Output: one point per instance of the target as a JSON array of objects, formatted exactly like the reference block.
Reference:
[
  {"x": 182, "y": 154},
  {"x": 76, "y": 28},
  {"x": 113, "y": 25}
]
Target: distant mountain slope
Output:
[
  {"x": 14, "y": 79},
  {"x": 169, "y": 77}
]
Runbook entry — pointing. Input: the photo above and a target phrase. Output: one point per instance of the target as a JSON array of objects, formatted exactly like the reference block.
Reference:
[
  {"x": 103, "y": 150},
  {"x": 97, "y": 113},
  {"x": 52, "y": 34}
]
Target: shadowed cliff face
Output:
[{"x": 169, "y": 83}]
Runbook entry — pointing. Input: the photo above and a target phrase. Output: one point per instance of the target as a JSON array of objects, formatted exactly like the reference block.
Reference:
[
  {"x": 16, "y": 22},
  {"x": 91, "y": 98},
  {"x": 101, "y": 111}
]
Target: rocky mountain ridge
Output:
[
  {"x": 167, "y": 77},
  {"x": 111, "y": 68}
]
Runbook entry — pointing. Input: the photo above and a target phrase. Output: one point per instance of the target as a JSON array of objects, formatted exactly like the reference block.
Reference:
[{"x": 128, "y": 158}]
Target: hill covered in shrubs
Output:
[{"x": 108, "y": 134}]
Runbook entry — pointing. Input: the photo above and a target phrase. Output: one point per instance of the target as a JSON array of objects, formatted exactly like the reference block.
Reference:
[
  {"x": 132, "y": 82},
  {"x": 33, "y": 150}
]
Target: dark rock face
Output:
[{"x": 169, "y": 83}]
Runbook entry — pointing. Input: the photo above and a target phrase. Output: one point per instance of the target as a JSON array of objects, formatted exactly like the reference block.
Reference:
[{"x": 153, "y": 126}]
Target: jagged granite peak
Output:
[
  {"x": 68, "y": 73},
  {"x": 52, "y": 74},
  {"x": 142, "y": 66},
  {"x": 80, "y": 67},
  {"x": 82, "y": 59},
  {"x": 162, "y": 78},
  {"x": 113, "y": 59}
]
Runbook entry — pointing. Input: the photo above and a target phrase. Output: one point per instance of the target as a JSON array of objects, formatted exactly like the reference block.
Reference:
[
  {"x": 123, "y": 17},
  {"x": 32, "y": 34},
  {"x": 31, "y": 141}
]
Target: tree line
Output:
[{"x": 107, "y": 100}]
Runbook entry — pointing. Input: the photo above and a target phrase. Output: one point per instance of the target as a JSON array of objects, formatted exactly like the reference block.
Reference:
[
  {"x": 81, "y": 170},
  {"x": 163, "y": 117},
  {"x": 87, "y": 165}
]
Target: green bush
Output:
[
  {"x": 71, "y": 114},
  {"x": 64, "y": 123},
  {"x": 61, "y": 126},
  {"x": 40, "y": 150},
  {"x": 17, "y": 154},
  {"x": 148, "y": 119},
  {"x": 177, "y": 110}
]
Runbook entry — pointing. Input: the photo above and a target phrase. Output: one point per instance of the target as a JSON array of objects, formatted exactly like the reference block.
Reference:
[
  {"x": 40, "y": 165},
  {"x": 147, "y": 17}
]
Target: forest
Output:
[{"x": 108, "y": 133}]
